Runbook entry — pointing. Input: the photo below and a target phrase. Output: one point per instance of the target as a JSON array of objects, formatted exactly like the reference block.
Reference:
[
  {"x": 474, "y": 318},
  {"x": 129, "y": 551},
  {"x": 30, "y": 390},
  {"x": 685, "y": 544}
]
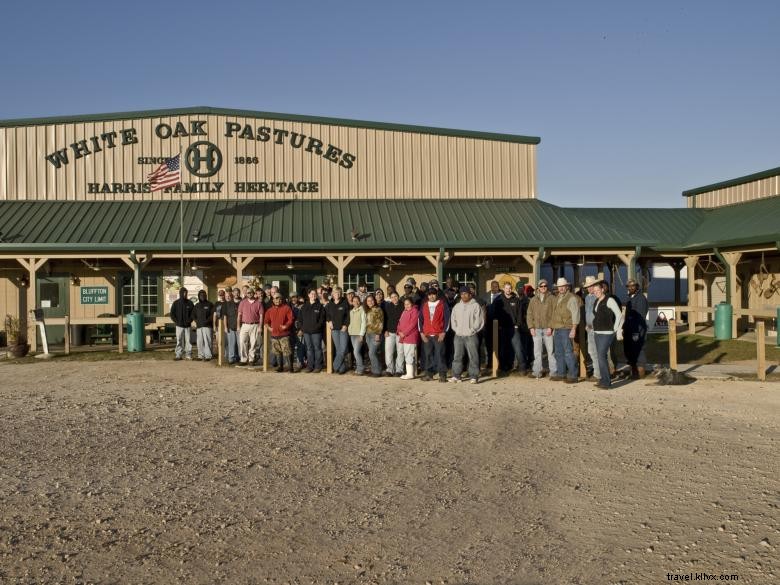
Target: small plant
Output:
[{"x": 14, "y": 329}]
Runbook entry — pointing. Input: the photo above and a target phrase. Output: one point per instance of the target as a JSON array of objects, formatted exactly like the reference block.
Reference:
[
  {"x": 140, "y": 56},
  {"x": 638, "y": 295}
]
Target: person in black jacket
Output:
[
  {"x": 312, "y": 324},
  {"x": 394, "y": 355},
  {"x": 204, "y": 321},
  {"x": 182, "y": 314},
  {"x": 507, "y": 310},
  {"x": 337, "y": 317}
]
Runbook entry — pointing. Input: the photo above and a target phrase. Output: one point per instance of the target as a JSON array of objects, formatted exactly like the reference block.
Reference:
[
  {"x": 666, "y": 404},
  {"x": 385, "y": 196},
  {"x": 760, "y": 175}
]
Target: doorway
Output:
[{"x": 52, "y": 295}]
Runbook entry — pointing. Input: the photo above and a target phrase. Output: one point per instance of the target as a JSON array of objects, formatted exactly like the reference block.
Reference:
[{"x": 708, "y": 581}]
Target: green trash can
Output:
[
  {"x": 723, "y": 314},
  {"x": 135, "y": 331}
]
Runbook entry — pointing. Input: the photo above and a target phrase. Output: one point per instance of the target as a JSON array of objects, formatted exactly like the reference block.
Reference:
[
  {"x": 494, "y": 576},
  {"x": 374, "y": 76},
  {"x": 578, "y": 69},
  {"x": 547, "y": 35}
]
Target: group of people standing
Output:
[{"x": 445, "y": 329}]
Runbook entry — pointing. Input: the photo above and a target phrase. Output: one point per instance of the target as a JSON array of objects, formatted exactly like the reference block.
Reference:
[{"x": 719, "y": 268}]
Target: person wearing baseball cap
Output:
[
  {"x": 539, "y": 319},
  {"x": 434, "y": 324},
  {"x": 467, "y": 321}
]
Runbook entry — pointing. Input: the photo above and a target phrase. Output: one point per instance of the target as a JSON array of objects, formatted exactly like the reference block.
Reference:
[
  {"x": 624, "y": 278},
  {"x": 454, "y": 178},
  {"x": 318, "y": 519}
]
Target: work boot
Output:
[
  {"x": 641, "y": 372},
  {"x": 635, "y": 373}
]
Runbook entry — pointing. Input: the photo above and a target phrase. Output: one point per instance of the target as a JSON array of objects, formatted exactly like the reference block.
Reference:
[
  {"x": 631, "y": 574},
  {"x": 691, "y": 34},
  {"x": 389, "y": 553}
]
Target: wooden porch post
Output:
[
  {"x": 690, "y": 264},
  {"x": 340, "y": 262},
  {"x": 32, "y": 265},
  {"x": 732, "y": 258}
]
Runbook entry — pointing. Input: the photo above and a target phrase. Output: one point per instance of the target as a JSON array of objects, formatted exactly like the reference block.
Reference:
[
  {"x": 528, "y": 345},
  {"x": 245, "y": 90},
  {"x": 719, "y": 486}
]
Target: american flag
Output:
[{"x": 166, "y": 175}]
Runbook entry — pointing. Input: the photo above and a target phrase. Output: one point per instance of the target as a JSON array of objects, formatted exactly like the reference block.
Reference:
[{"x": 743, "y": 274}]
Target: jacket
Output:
[
  {"x": 375, "y": 321},
  {"x": 182, "y": 312},
  {"x": 280, "y": 318},
  {"x": 636, "y": 310},
  {"x": 312, "y": 317},
  {"x": 467, "y": 318},
  {"x": 566, "y": 311},
  {"x": 508, "y": 311},
  {"x": 540, "y": 311},
  {"x": 357, "y": 321},
  {"x": 204, "y": 314},
  {"x": 408, "y": 325},
  {"x": 337, "y": 313},
  {"x": 439, "y": 323},
  {"x": 392, "y": 315}
]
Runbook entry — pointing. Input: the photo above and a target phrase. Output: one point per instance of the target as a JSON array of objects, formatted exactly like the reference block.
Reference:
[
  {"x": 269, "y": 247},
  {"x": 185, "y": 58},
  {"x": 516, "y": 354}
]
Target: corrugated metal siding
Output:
[
  {"x": 768, "y": 187},
  {"x": 390, "y": 163}
]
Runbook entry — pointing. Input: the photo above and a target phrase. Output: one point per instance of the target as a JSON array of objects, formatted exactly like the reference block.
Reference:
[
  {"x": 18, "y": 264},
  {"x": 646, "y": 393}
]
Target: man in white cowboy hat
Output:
[
  {"x": 590, "y": 301},
  {"x": 565, "y": 318},
  {"x": 539, "y": 319}
]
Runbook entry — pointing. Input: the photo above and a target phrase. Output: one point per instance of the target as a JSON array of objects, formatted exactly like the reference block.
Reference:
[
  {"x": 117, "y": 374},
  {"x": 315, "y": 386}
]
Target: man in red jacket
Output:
[
  {"x": 279, "y": 317},
  {"x": 434, "y": 324}
]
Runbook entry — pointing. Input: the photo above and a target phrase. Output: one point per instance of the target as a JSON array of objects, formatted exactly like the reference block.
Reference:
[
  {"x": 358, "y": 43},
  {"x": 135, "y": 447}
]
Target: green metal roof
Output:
[
  {"x": 733, "y": 182},
  {"x": 272, "y": 116},
  {"x": 381, "y": 225}
]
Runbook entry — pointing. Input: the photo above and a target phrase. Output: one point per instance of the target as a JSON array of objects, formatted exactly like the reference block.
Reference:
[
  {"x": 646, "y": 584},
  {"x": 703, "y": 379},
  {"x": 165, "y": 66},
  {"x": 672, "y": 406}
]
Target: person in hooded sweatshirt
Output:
[
  {"x": 204, "y": 321},
  {"x": 466, "y": 321},
  {"x": 313, "y": 324},
  {"x": 182, "y": 314}
]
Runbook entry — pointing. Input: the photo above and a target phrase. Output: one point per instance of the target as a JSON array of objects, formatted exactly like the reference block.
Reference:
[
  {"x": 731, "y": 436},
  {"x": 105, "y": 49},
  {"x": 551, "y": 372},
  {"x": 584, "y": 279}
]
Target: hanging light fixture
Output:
[{"x": 290, "y": 265}]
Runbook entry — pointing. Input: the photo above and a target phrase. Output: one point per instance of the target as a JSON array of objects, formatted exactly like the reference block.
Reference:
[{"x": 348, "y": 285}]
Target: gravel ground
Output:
[{"x": 158, "y": 472}]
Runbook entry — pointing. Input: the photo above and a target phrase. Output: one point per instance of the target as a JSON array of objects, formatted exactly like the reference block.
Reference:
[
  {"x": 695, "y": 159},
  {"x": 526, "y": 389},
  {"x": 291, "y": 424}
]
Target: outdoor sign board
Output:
[{"x": 94, "y": 295}]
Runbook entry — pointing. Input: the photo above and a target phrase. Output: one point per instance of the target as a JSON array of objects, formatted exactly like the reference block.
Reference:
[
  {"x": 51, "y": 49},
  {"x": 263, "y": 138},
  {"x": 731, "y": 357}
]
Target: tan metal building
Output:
[{"x": 299, "y": 201}]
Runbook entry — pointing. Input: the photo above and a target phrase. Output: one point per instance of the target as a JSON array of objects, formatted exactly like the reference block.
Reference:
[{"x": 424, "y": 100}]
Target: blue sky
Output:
[{"x": 634, "y": 101}]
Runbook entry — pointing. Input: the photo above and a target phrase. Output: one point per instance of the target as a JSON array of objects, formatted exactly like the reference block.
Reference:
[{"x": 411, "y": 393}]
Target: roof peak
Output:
[{"x": 498, "y": 136}]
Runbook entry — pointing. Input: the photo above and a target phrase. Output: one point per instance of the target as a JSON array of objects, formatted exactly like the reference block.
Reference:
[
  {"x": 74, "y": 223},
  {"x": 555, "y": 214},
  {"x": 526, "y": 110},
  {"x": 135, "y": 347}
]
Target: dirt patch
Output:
[{"x": 162, "y": 472}]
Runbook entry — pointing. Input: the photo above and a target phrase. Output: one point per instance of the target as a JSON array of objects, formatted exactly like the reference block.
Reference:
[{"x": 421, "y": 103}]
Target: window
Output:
[
  {"x": 149, "y": 295},
  {"x": 352, "y": 279},
  {"x": 463, "y": 278},
  {"x": 50, "y": 295}
]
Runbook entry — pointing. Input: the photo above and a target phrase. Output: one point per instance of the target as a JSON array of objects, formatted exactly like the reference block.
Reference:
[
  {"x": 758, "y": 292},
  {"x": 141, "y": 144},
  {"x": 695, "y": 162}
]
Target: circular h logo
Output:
[{"x": 203, "y": 154}]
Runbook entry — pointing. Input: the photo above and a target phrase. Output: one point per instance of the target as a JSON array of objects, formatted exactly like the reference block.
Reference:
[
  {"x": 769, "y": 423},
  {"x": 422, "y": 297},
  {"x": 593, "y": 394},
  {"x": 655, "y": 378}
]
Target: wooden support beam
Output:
[
  {"x": 690, "y": 264},
  {"x": 220, "y": 334},
  {"x": 495, "y": 348},
  {"x": 329, "y": 350},
  {"x": 121, "y": 337},
  {"x": 67, "y": 334},
  {"x": 732, "y": 258},
  {"x": 673, "y": 344},
  {"x": 761, "y": 349},
  {"x": 266, "y": 349}
]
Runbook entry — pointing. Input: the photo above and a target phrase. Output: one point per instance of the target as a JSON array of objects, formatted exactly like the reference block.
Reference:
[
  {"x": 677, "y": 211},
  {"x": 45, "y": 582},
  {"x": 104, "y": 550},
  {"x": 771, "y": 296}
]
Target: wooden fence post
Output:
[
  {"x": 495, "y": 348},
  {"x": 266, "y": 352},
  {"x": 673, "y": 343},
  {"x": 329, "y": 350},
  {"x": 761, "y": 349},
  {"x": 220, "y": 333},
  {"x": 121, "y": 324},
  {"x": 67, "y": 334}
]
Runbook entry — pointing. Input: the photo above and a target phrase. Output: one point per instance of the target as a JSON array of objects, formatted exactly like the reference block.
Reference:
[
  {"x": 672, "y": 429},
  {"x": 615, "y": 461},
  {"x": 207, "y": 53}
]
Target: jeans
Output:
[
  {"x": 340, "y": 341},
  {"x": 469, "y": 344},
  {"x": 635, "y": 350},
  {"x": 511, "y": 348},
  {"x": 313, "y": 342},
  {"x": 564, "y": 354},
  {"x": 394, "y": 354},
  {"x": 357, "y": 351},
  {"x": 546, "y": 341},
  {"x": 183, "y": 343},
  {"x": 373, "y": 352},
  {"x": 594, "y": 354},
  {"x": 433, "y": 351},
  {"x": 231, "y": 345},
  {"x": 603, "y": 341},
  {"x": 204, "y": 342}
]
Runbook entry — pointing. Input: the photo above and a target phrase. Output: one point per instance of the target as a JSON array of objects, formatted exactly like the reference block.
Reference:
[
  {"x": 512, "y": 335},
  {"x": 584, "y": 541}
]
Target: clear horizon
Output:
[{"x": 633, "y": 104}]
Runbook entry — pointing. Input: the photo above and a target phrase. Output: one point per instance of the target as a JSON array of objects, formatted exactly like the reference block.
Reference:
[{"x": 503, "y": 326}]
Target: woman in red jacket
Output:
[
  {"x": 409, "y": 336},
  {"x": 279, "y": 317}
]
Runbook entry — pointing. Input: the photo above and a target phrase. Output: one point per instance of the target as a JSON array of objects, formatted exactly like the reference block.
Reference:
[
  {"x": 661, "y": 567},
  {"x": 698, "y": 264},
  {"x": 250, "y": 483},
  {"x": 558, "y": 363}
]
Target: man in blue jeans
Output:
[
  {"x": 565, "y": 319},
  {"x": 337, "y": 316}
]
